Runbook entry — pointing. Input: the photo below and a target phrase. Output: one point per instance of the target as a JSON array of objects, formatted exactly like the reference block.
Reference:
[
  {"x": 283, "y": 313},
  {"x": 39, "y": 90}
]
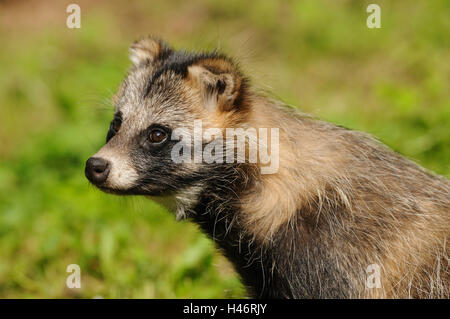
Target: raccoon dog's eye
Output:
[
  {"x": 157, "y": 136},
  {"x": 114, "y": 127}
]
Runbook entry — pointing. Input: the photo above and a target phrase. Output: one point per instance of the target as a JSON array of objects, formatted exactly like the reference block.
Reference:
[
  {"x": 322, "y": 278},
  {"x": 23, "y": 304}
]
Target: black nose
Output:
[{"x": 97, "y": 170}]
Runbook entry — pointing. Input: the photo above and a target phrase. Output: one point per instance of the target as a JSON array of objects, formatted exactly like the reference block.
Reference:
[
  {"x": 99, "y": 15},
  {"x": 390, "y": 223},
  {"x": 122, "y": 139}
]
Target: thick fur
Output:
[{"x": 340, "y": 201}]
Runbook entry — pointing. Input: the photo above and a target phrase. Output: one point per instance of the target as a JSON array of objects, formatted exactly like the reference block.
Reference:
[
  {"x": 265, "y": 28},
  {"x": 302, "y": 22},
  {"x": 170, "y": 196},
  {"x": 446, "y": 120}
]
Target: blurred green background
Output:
[{"x": 55, "y": 90}]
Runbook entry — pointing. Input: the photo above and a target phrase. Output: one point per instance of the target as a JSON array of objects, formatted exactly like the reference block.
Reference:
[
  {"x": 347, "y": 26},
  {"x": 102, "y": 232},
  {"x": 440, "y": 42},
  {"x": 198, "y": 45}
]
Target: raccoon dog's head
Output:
[{"x": 164, "y": 90}]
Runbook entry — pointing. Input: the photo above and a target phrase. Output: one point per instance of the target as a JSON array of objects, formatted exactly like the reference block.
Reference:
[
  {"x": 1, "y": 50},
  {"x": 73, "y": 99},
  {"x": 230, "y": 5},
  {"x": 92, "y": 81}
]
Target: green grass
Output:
[{"x": 55, "y": 86}]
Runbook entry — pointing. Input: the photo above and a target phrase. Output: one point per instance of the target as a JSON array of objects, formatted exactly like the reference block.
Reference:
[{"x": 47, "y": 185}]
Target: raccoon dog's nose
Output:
[{"x": 97, "y": 170}]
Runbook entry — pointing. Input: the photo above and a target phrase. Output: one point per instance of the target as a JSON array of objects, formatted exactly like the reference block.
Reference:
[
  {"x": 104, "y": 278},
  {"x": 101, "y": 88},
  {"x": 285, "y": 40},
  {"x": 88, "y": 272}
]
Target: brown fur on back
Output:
[{"x": 367, "y": 203}]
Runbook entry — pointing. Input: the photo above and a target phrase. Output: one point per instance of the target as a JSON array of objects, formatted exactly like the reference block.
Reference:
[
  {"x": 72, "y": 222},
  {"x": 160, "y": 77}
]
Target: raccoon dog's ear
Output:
[
  {"x": 148, "y": 50},
  {"x": 218, "y": 81}
]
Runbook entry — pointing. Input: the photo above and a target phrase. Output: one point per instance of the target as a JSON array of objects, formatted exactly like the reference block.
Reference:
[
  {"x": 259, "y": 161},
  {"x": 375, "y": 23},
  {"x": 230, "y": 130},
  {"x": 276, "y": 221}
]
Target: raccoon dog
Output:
[{"x": 338, "y": 215}]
